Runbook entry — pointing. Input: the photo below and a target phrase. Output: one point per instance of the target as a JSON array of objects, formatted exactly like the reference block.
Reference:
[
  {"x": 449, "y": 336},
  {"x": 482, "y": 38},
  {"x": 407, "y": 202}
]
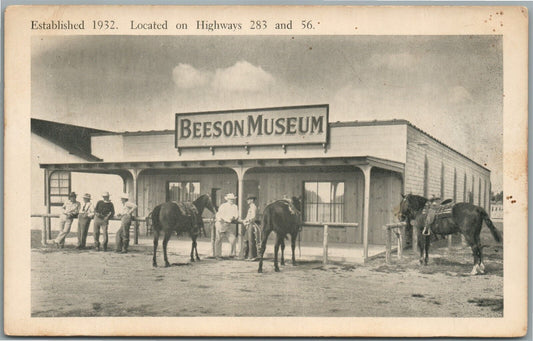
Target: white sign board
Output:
[{"x": 269, "y": 126}]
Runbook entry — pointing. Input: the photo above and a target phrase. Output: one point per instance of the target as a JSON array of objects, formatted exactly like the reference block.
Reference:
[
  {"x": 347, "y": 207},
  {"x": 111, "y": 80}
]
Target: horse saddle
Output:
[{"x": 436, "y": 211}]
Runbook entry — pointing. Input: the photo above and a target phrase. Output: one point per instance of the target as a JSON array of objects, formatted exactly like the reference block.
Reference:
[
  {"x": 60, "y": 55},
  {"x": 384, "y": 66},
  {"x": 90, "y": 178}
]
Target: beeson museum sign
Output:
[{"x": 253, "y": 127}]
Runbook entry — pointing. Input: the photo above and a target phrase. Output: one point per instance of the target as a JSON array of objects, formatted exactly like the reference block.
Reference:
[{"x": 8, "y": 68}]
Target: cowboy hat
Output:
[
  {"x": 251, "y": 196},
  {"x": 230, "y": 196},
  {"x": 125, "y": 196},
  {"x": 105, "y": 194},
  {"x": 86, "y": 196},
  {"x": 72, "y": 194}
]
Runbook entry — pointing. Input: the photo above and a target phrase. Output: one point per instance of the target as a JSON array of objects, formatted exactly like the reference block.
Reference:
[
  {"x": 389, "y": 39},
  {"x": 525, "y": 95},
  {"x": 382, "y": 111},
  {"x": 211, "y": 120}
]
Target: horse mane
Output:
[{"x": 416, "y": 201}]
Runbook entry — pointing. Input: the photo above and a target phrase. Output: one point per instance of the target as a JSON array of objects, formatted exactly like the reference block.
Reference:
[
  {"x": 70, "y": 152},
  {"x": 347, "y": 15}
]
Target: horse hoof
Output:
[
  {"x": 167, "y": 265},
  {"x": 260, "y": 271},
  {"x": 283, "y": 263},
  {"x": 154, "y": 265},
  {"x": 276, "y": 269},
  {"x": 192, "y": 259},
  {"x": 197, "y": 258},
  {"x": 294, "y": 263}
]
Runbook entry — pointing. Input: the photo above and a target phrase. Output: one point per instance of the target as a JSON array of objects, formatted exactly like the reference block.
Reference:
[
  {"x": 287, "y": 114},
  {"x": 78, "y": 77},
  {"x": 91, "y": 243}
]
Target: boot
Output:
[{"x": 125, "y": 247}]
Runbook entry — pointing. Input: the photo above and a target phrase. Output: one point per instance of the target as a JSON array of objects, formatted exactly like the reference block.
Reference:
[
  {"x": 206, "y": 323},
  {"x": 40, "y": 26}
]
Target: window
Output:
[
  {"x": 59, "y": 187},
  {"x": 324, "y": 201},
  {"x": 183, "y": 190}
]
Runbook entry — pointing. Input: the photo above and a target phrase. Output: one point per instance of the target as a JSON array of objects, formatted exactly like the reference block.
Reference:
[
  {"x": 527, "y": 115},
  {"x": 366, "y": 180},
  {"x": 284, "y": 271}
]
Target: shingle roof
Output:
[{"x": 75, "y": 139}]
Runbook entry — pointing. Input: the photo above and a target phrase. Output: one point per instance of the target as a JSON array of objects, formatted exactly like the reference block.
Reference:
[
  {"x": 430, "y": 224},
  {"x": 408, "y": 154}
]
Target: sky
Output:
[{"x": 449, "y": 86}]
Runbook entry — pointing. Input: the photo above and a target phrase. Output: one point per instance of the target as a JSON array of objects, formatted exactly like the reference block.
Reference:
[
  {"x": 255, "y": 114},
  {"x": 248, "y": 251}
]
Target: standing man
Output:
[
  {"x": 252, "y": 242},
  {"x": 102, "y": 212},
  {"x": 125, "y": 215},
  {"x": 228, "y": 214},
  {"x": 70, "y": 211},
  {"x": 84, "y": 220}
]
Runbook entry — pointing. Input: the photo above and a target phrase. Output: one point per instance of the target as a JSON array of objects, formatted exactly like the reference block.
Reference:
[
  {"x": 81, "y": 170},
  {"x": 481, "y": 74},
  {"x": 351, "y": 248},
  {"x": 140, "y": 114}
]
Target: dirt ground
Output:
[{"x": 68, "y": 282}]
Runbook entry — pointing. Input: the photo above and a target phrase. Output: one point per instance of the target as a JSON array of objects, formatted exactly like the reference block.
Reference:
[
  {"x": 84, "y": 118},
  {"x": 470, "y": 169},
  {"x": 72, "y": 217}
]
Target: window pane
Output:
[
  {"x": 64, "y": 175},
  {"x": 54, "y": 183},
  {"x": 64, "y": 183},
  {"x": 323, "y": 192},
  {"x": 183, "y": 191},
  {"x": 54, "y": 190}
]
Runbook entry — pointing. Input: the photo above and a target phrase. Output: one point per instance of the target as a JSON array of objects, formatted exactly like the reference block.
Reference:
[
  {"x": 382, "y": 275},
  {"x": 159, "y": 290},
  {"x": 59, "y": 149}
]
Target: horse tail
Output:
[
  {"x": 156, "y": 224},
  {"x": 495, "y": 233}
]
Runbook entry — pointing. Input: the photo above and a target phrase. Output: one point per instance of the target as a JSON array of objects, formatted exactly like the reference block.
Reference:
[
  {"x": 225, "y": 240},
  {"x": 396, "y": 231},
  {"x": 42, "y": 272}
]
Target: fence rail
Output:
[{"x": 47, "y": 231}]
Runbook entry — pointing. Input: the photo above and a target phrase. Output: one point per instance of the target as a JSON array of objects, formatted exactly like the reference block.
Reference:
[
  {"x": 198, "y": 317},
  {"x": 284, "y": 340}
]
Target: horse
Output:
[
  {"x": 168, "y": 217},
  {"x": 282, "y": 217},
  {"x": 465, "y": 218}
]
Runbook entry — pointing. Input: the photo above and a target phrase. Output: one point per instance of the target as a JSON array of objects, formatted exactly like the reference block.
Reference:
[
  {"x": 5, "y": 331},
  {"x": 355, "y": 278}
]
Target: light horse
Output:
[
  {"x": 465, "y": 218},
  {"x": 168, "y": 217}
]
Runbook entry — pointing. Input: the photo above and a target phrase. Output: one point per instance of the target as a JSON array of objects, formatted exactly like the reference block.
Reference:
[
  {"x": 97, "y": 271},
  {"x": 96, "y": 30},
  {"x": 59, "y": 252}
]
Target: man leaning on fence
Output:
[
  {"x": 102, "y": 212},
  {"x": 71, "y": 209},
  {"x": 125, "y": 215},
  {"x": 84, "y": 220}
]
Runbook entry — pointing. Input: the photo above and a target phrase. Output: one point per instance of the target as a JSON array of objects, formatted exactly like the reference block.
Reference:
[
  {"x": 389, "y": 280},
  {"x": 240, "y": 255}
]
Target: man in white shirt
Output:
[
  {"x": 71, "y": 209},
  {"x": 227, "y": 215},
  {"x": 125, "y": 215},
  {"x": 84, "y": 220}
]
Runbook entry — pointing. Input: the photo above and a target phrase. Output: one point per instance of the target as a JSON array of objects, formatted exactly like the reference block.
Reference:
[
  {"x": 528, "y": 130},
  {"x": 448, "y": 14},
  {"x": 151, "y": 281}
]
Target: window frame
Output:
[
  {"x": 62, "y": 197},
  {"x": 330, "y": 204},
  {"x": 168, "y": 182}
]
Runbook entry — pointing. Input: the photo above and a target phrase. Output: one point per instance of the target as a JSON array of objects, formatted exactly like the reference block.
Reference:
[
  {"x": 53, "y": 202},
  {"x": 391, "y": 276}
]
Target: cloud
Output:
[
  {"x": 242, "y": 76},
  {"x": 394, "y": 60},
  {"x": 459, "y": 94},
  {"x": 187, "y": 77}
]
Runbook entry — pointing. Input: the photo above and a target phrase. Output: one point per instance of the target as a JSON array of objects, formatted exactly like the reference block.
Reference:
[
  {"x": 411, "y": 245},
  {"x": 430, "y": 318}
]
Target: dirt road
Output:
[{"x": 69, "y": 282}]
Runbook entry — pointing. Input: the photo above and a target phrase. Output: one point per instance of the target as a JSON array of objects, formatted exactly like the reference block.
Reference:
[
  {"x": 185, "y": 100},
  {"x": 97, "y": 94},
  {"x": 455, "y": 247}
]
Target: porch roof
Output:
[{"x": 120, "y": 167}]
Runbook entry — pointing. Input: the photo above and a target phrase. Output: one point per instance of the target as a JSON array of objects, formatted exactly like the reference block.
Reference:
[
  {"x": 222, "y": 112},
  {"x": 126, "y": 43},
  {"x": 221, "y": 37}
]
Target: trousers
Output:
[
  {"x": 228, "y": 234},
  {"x": 83, "y": 227},
  {"x": 64, "y": 227},
  {"x": 123, "y": 234},
  {"x": 100, "y": 223},
  {"x": 252, "y": 241}
]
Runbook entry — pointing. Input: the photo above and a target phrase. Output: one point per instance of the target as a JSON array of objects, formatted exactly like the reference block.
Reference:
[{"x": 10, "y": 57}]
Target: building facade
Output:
[{"x": 351, "y": 172}]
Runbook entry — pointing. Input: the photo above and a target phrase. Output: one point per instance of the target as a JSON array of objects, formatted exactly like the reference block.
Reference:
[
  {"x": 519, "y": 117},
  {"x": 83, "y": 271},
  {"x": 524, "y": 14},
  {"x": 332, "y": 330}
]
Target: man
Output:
[
  {"x": 70, "y": 211},
  {"x": 84, "y": 220},
  {"x": 102, "y": 212},
  {"x": 228, "y": 214},
  {"x": 252, "y": 242},
  {"x": 125, "y": 215}
]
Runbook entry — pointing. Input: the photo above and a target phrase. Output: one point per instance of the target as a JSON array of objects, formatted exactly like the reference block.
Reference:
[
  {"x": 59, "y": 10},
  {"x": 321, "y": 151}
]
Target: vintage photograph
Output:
[
  {"x": 273, "y": 175},
  {"x": 395, "y": 145}
]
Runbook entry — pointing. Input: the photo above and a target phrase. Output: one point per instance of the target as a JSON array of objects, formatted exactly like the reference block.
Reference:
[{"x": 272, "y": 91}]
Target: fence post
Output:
[
  {"x": 325, "y": 245},
  {"x": 387, "y": 244},
  {"x": 136, "y": 232},
  {"x": 400, "y": 243},
  {"x": 43, "y": 233}
]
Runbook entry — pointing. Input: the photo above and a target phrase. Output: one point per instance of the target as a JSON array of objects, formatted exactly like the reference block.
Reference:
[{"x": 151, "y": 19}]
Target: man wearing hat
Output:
[
  {"x": 228, "y": 214},
  {"x": 70, "y": 211},
  {"x": 125, "y": 215},
  {"x": 102, "y": 212},
  {"x": 84, "y": 220},
  {"x": 252, "y": 240}
]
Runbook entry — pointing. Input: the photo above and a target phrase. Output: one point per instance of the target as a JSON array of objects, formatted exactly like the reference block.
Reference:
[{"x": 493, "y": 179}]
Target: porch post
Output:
[
  {"x": 133, "y": 195},
  {"x": 240, "y": 202},
  {"x": 366, "y": 208},
  {"x": 47, "y": 221}
]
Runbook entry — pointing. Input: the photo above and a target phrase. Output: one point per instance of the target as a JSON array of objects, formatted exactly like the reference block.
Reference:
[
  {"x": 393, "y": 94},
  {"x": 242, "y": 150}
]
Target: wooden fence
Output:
[
  {"x": 47, "y": 231},
  {"x": 399, "y": 232}
]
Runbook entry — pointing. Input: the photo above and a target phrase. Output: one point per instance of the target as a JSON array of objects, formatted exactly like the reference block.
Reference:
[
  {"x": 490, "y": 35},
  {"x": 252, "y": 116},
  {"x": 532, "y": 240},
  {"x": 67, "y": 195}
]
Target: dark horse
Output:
[
  {"x": 168, "y": 218},
  {"x": 465, "y": 218},
  {"x": 282, "y": 217}
]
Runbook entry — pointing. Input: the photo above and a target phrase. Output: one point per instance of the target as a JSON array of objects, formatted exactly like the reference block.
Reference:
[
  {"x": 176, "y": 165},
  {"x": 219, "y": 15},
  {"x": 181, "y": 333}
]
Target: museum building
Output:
[{"x": 344, "y": 172}]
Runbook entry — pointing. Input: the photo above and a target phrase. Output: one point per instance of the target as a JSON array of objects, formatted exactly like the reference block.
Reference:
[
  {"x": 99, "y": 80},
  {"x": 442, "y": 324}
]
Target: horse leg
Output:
[
  {"x": 475, "y": 246},
  {"x": 421, "y": 246},
  {"x": 276, "y": 249},
  {"x": 166, "y": 238},
  {"x": 156, "y": 240},
  {"x": 293, "y": 246},
  {"x": 282, "y": 244},
  {"x": 426, "y": 248},
  {"x": 262, "y": 250}
]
